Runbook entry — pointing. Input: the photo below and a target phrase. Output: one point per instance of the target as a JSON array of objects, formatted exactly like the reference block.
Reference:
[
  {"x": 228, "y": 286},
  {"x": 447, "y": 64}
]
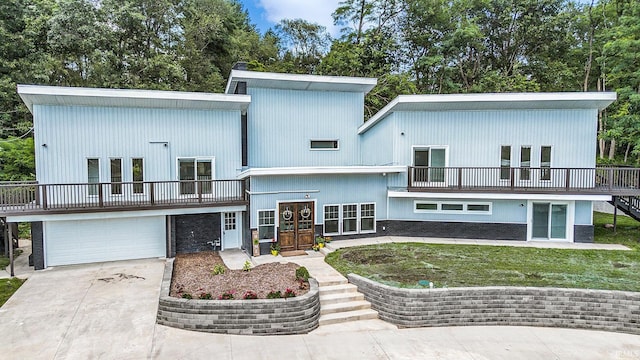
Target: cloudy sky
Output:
[{"x": 267, "y": 13}]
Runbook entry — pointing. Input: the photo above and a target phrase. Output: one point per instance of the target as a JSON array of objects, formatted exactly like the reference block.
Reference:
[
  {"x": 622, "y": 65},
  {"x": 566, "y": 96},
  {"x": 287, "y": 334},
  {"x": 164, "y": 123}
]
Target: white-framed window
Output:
[
  {"x": 137, "y": 175},
  {"x": 230, "y": 221},
  {"x": 545, "y": 163},
  {"x": 195, "y": 175},
  {"x": 331, "y": 219},
  {"x": 452, "y": 207},
  {"x": 367, "y": 218},
  {"x": 525, "y": 162},
  {"x": 505, "y": 162},
  {"x": 347, "y": 219},
  {"x": 332, "y": 144},
  {"x": 115, "y": 166},
  {"x": 266, "y": 224},
  {"x": 350, "y": 219},
  {"x": 93, "y": 175}
]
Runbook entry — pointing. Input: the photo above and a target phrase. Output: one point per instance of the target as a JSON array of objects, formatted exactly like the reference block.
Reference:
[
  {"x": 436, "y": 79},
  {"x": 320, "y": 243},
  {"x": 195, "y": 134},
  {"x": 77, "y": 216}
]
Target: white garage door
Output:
[{"x": 85, "y": 241}]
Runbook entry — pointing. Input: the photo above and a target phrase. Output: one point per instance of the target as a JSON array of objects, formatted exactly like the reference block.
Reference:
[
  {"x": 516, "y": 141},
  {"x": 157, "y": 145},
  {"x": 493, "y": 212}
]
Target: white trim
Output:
[
  {"x": 495, "y": 101},
  {"x": 124, "y": 214},
  {"x": 280, "y": 192},
  {"x": 570, "y": 220},
  {"x": 446, "y": 163},
  {"x": 357, "y": 230},
  {"x": 82, "y": 96},
  {"x": 324, "y": 219},
  {"x": 495, "y": 196},
  {"x": 299, "y": 81},
  {"x": 464, "y": 211},
  {"x": 275, "y": 220},
  {"x": 375, "y": 217},
  {"x": 320, "y": 170}
]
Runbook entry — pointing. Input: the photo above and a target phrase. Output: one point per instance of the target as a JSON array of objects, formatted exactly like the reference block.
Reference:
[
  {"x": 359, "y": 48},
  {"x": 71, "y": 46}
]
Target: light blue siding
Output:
[
  {"x": 378, "y": 143},
  {"x": 73, "y": 134},
  {"x": 584, "y": 213},
  {"x": 324, "y": 190},
  {"x": 503, "y": 211},
  {"x": 282, "y": 123}
]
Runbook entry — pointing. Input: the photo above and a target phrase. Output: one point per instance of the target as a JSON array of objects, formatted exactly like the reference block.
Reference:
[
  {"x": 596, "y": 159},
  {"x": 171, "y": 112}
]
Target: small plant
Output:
[
  {"x": 256, "y": 242},
  {"x": 275, "y": 249},
  {"x": 187, "y": 296},
  {"x": 274, "y": 295},
  {"x": 316, "y": 248},
  {"x": 302, "y": 274},
  {"x": 289, "y": 293},
  {"x": 205, "y": 296},
  {"x": 319, "y": 242},
  {"x": 227, "y": 295},
  {"x": 250, "y": 295},
  {"x": 246, "y": 266},
  {"x": 218, "y": 269}
]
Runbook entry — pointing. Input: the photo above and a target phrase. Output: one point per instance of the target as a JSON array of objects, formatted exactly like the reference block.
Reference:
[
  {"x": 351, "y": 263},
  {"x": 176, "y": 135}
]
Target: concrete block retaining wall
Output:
[
  {"x": 516, "y": 306},
  {"x": 298, "y": 315}
]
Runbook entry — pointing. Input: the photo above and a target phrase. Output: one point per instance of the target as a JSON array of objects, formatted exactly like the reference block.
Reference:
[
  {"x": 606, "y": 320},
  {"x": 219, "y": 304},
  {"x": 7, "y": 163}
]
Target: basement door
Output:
[{"x": 296, "y": 230}]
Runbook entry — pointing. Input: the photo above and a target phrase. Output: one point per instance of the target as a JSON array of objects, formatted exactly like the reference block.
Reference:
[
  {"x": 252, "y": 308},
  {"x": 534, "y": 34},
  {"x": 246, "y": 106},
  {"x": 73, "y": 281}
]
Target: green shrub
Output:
[
  {"x": 302, "y": 274},
  {"x": 187, "y": 296},
  {"x": 219, "y": 269},
  {"x": 274, "y": 295},
  {"x": 246, "y": 266}
]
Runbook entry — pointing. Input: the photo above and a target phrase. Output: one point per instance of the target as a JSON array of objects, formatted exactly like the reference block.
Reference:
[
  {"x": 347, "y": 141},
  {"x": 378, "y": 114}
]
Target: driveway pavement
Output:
[{"x": 107, "y": 311}]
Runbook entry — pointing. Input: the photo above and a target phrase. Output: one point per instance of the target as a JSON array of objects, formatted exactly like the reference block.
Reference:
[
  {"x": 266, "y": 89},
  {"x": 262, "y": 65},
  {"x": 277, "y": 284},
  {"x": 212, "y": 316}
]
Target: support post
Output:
[
  {"x": 10, "y": 232},
  {"x": 615, "y": 213}
]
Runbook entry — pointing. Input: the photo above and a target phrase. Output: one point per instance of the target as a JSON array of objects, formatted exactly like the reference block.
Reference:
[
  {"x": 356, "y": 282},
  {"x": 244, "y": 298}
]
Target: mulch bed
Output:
[{"x": 193, "y": 274}]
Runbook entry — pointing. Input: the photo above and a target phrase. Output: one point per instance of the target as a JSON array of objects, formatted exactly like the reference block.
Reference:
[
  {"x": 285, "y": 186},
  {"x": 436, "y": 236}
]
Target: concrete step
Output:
[
  {"x": 331, "y": 280},
  {"x": 326, "y": 250},
  {"x": 341, "y": 317},
  {"x": 344, "y": 307},
  {"x": 340, "y": 298},
  {"x": 338, "y": 289}
]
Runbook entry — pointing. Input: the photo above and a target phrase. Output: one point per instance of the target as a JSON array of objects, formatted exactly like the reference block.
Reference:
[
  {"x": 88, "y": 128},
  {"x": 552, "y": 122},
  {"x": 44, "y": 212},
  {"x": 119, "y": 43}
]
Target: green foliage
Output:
[
  {"x": 405, "y": 264},
  {"x": 302, "y": 274},
  {"x": 289, "y": 293},
  {"x": 17, "y": 159},
  {"x": 205, "y": 296},
  {"x": 8, "y": 287},
  {"x": 187, "y": 296},
  {"x": 246, "y": 266},
  {"x": 627, "y": 230},
  {"x": 274, "y": 294},
  {"x": 219, "y": 269}
]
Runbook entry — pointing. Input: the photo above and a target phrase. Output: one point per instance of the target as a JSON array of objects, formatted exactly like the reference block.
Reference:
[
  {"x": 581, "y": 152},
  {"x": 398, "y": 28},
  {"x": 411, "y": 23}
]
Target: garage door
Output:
[{"x": 85, "y": 241}]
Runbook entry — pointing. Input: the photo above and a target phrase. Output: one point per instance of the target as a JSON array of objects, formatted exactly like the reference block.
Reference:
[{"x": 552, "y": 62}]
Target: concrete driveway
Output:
[{"x": 107, "y": 311}]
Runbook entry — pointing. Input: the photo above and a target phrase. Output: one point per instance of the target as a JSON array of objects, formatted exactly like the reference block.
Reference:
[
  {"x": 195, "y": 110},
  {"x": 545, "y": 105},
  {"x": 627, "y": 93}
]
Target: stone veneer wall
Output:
[
  {"x": 298, "y": 315},
  {"x": 515, "y": 306}
]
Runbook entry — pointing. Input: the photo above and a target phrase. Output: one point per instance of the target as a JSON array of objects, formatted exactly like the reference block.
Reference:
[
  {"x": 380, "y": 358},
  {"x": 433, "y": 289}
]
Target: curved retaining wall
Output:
[
  {"x": 298, "y": 315},
  {"x": 516, "y": 306}
]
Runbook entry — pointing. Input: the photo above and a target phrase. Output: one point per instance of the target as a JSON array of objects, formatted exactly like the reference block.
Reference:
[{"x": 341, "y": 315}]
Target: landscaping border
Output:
[
  {"x": 515, "y": 306},
  {"x": 297, "y": 315}
]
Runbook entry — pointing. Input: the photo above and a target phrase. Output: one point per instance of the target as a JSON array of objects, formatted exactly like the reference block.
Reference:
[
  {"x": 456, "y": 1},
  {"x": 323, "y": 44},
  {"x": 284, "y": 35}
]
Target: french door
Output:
[{"x": 296, "y": 225}]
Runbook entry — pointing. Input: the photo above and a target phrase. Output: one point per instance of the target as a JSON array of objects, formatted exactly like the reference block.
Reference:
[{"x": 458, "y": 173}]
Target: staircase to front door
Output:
[{"x": 341, "y": 302}]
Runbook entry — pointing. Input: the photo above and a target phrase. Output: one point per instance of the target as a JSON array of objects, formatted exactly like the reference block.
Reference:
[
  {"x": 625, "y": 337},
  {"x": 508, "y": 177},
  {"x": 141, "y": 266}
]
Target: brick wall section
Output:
[
  {"x": 516, "y": 306},
  {"x": 298, "y": 315}
]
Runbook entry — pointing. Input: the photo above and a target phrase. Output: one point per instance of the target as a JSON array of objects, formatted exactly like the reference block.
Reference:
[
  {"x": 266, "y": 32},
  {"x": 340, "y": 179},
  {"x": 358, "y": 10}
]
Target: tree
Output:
[
  {"x": 305, "y": 44},
  {"x": 17, "y": 162}
]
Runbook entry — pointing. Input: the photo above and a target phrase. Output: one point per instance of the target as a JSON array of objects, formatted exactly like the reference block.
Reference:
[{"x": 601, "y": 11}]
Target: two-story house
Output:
[{"x": 125, "y": 174}]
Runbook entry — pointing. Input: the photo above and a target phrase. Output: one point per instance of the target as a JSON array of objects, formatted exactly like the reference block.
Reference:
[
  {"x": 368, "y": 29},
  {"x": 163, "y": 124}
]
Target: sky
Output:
[{"x": 267, "y": 13}]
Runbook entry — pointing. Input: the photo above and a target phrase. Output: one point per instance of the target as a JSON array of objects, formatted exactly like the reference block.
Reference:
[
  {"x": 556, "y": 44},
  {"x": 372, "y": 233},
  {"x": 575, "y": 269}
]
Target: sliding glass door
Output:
[{"x": 549, "y": 221}]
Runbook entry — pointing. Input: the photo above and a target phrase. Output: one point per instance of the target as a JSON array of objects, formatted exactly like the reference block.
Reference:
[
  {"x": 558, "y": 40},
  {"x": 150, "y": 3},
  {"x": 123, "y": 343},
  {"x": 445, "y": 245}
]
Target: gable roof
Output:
[
  {"x": 494, "y": 101},
  {"x": 60, "y": 95},
  {"x": 299, "y": 82}
]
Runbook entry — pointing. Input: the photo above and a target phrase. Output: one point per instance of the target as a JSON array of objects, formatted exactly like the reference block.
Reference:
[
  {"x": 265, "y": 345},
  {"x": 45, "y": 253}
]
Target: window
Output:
[
  {"x": 324, "y": 144},
  {"x": 367, "y": 218},
  {"x": 430, "y": 163},
  {"x": 525, "y": 163},
  {"x": 505, "y": 162},
  {"x": 545, "y": 163},
  {"x": 195, "y": 176},
  {"x": 266, "y": 224},
  {"x": 331, "y": 219},
  {"x": 350, "y": 219},
  {"x": 116, "y": 176},
  {"x": 137, "y": 175},
  {"x": 93, "y": 175},
  {"x": 452, "y": 207},
  {"x": 230, "y": 221}
]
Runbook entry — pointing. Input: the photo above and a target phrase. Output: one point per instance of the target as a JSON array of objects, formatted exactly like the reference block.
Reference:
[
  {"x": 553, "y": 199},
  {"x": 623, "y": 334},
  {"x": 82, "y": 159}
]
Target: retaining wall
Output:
[
  {"x": 298, "y": 315},
  {"x": 515, "y": 306}
]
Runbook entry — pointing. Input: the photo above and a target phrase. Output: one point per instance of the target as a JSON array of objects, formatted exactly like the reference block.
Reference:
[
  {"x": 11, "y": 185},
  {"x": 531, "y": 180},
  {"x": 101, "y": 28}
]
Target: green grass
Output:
[
  {"x": 405, "y": 264},
  {"x": 8, "y": 287}
]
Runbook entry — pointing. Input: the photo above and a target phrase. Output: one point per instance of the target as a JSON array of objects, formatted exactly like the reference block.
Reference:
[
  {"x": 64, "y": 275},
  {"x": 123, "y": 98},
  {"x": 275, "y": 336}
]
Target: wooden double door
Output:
[{"x": 296, "y": 230}]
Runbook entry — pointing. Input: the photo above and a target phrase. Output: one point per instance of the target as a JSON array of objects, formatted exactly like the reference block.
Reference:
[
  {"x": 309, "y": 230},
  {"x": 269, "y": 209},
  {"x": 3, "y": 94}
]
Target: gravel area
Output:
[{"x": 193, "y": 274}]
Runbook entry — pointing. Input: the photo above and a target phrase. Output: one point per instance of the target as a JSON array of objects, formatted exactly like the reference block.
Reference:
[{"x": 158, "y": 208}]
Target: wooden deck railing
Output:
[
  {"x": 601, "y": 180},
  {"x": 21, "y": 198}
]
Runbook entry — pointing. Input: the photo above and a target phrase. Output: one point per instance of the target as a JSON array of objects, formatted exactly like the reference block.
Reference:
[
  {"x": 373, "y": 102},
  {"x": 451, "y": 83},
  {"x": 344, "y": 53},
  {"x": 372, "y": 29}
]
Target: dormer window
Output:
[{"x": 324, "y": 145}]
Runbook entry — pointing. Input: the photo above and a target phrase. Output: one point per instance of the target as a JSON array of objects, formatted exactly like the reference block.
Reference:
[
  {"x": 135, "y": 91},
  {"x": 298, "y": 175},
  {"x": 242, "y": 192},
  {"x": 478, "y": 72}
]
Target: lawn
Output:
[
  {"x": 8, "y": 287},
  {"x": 405, "y": 264}
]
